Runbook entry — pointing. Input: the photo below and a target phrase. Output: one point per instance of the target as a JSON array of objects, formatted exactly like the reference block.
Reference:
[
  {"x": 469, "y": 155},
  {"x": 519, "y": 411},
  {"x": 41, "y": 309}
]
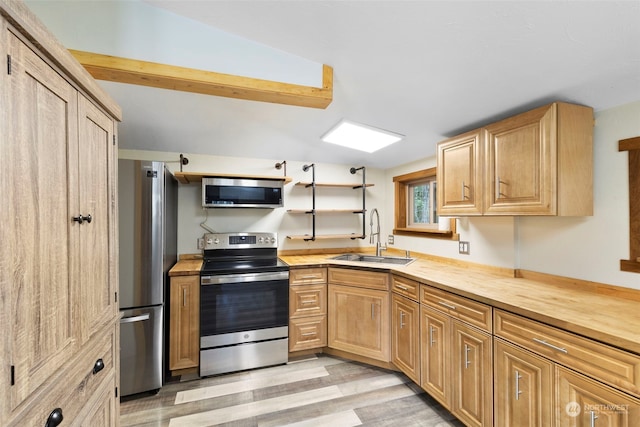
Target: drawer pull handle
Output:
[
  {"x": 308, "y": 334},
  {"x": 431, "y": 340},
  {"x": 404, "y": 288},
  {"x": 99, "y": 366},
  {"x": 55, "y": 418},
  {"x": 594, "y": 417},
  {"x": 401, "y": 319},
  {"x": 543, "y": 342},
  {"x": 310, "y": 277},
  {"x": 518, "y": 391},
  {"x": 449, "y": 306},
  {"x": 309, "y": 302}
]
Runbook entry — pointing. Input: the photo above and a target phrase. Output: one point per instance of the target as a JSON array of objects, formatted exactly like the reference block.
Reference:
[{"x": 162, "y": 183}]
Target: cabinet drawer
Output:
[
  {"x": 307, "y": 332},
  {"x": 307, "y": 276},
  {"x": 359, "y": 278},
  {"x": 75, "y": 386},
  {"x": 307, "y": 300},
  {"x": 472, "y": 312},
  {"x": 407, "y": 287},
  {"x": 600, "y": 361}
]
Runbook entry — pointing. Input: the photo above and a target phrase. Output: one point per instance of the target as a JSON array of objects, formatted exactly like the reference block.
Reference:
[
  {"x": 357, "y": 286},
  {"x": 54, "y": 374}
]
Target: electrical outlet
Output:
[
  {"x": 390, "y": 239},
  {"x": 463, "y": 248},
  {"x": 200, "y": 243}
]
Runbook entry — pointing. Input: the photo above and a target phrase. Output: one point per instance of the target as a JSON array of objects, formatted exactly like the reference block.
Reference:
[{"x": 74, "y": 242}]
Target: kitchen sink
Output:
[{"x": 373, "y": 258}]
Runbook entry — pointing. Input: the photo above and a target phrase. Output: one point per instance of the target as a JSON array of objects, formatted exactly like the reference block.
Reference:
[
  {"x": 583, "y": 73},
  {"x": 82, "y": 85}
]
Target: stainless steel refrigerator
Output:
[{"x": 148, "y": 249}]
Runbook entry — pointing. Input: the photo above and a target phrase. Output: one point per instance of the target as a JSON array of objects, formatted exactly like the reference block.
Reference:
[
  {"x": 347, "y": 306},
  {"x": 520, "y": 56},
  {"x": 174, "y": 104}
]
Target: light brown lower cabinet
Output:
[
  {"x": 435, "y": 331},
  {"x": 523, "y": 387},
  {"x": 359, "y": 321},
  {"x": 583, "y": 402},
  {"x": 405, "y": 336},
  {"x": 184, "y": 319},
  {"x": 472, "y": 375},
  {"x": 307, "y": 308}
]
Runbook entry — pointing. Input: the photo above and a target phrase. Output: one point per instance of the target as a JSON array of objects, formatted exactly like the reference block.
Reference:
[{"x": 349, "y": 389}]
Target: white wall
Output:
[
  {"x": 591, "y": 248},
  {"x": 191, "y": 214}
]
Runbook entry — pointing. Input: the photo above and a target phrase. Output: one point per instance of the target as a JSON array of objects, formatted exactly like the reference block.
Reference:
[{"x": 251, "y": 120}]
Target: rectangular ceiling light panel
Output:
[{"x": 360, "y": 137}]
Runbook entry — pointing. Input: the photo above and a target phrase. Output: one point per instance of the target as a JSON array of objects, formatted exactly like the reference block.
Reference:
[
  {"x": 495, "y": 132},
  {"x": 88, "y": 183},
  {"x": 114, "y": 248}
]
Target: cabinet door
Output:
[
  {"x": 523, "y": 387},
  {"x": 96, "y": 180},
  {"x": 583, "y": 402},
  {"x": 405, "y": 336},
  {"x": 521, "y": 164},
  {"x": 459, "y": 175},
  {"x": 472, "y": 375},
  {"x": 38, "y": 185},
  {"x": 436, "y": 354},
  {"x": 359, "y": 321},
  {"x": 184, "y": 328}
]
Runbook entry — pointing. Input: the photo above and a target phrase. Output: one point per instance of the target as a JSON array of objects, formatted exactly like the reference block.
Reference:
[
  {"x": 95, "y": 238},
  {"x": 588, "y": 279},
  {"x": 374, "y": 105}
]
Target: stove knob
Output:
[
  {"x": 216, "y": 241},
  {"x": 273, "y": 240},
  {"x": 209, "y": 241},
  {"x": 260, "y": 240}
]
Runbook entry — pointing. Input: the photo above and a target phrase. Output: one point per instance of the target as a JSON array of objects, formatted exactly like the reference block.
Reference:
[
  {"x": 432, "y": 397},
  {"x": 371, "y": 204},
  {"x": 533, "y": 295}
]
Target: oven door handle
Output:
[{"x": 243, "y": 278}]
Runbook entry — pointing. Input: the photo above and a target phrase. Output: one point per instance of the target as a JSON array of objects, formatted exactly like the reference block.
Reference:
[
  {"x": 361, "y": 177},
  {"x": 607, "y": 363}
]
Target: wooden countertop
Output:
[
  {"x": 605, "y": 313},
  {"x": 186, "y": 267}
]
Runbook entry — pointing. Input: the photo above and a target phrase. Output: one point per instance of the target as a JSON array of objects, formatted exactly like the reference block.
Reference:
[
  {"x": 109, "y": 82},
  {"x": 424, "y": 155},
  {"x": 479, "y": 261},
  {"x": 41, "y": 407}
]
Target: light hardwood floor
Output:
[{"x": 316, "y": 391}]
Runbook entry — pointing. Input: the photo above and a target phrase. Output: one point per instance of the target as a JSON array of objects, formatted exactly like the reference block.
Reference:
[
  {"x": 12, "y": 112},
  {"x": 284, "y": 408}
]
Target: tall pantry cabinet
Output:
[{"x": 58, "y": 268}]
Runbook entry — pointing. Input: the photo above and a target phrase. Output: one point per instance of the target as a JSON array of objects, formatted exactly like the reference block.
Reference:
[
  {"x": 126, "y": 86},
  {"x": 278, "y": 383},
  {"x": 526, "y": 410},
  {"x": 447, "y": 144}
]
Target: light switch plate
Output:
[
  {"x": 390, "y": 239},
  {"x": 463, "y": 248}
]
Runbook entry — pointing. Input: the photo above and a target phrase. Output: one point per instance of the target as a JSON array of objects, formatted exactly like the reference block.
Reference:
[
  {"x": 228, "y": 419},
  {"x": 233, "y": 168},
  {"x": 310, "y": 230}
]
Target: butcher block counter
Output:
[
  {"x": 602, "y": 312},
  {"x": 186, "y": 267}
]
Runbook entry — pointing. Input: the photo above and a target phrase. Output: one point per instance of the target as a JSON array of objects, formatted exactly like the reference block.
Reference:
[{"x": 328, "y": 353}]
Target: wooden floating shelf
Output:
[
  {"x": 326, "y": 236},
  {"x": 195, "y": 177},
  {"x": 327, "y": 211},
  {"x": 309, "y": 184}
]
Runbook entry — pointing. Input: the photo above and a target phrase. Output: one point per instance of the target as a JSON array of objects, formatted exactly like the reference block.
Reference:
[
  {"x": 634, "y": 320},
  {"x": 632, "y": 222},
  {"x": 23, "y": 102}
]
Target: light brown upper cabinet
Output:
[
  {"x": 535, "y": 163},
  {"x": 459, "y": 175}
]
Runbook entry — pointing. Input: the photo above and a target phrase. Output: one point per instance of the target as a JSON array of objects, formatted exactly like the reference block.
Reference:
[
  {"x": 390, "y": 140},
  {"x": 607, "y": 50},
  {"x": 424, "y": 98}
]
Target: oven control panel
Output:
[{"x": 240, "y": 240}]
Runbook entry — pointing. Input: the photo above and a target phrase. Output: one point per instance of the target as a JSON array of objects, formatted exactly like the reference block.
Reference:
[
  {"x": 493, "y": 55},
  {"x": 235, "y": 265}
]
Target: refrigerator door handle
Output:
[{"x": 134, "y": 319}]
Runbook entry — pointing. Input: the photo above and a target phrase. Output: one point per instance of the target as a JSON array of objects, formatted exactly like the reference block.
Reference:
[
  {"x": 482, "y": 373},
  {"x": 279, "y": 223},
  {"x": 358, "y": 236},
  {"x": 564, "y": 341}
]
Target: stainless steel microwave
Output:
[{"x": 241, "y": 193}]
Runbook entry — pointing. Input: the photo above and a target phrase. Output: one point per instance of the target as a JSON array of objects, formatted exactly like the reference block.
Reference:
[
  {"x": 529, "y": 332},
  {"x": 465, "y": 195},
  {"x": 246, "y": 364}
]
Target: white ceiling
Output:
[{"x": 425, "y": 69}]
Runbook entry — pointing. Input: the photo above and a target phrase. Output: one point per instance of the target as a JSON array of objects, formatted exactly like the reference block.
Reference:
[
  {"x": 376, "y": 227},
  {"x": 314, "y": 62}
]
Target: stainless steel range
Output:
[{"x": 244, "y": 303}]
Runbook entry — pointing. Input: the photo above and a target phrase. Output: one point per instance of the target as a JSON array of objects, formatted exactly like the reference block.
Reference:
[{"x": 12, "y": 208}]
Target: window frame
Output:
[{"x": 401, "y": 222}]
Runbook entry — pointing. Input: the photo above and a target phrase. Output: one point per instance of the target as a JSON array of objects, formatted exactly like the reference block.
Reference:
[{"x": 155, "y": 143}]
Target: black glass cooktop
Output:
[{"x": 241, "y": 265}]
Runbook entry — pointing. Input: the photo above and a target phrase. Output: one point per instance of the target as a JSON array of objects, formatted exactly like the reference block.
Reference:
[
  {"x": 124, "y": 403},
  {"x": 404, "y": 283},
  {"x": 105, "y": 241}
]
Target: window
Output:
[
  {"x": 421, "y": 206},
  {"x": 416, "y": 206}
]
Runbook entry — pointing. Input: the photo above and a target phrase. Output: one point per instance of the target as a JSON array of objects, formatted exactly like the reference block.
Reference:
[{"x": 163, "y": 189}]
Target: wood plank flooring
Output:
[{"x": 317, "y": 391}]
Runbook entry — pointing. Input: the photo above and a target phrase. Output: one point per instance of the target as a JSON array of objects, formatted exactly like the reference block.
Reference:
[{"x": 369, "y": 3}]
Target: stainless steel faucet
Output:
[{"x": 379, "y": 246}]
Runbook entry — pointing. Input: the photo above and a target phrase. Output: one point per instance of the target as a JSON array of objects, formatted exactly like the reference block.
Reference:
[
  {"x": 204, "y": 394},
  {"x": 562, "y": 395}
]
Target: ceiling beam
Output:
[{"x": 132, "y": 71}]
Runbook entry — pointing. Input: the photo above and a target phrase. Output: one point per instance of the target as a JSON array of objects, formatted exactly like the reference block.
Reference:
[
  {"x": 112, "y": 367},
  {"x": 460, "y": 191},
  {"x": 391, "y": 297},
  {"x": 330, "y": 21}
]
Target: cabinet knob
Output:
[
  {"x": 55, "y": 418},
  {"x": 99, "y": 366},
  {"x": 80, "y": 219}
]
